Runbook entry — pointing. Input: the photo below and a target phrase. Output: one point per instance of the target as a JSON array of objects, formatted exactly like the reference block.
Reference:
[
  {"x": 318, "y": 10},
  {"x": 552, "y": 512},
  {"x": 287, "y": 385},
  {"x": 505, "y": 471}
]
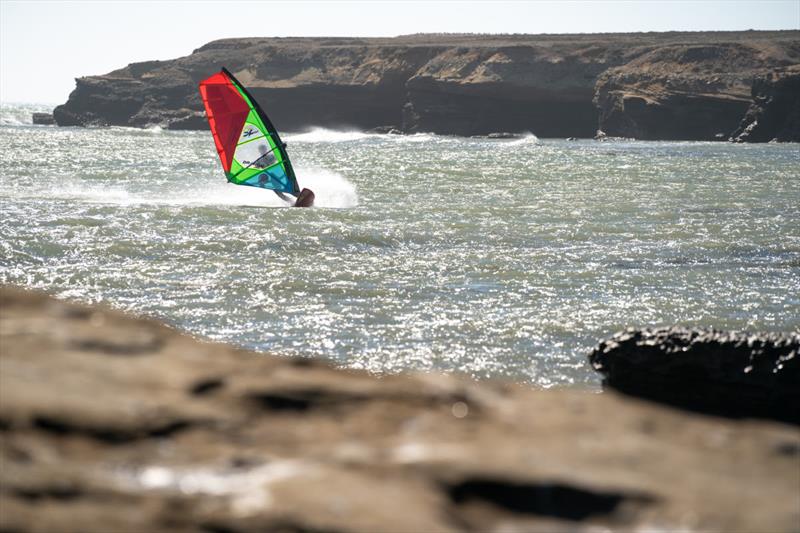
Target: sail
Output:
[{"x": 249, "y": 147}]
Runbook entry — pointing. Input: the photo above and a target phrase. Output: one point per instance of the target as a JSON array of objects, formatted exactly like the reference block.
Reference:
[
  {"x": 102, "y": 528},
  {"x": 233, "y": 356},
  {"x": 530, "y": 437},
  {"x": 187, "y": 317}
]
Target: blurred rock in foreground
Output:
[
  {"x": 113, "y": 423},
  {"x": 717, "y": 372}
]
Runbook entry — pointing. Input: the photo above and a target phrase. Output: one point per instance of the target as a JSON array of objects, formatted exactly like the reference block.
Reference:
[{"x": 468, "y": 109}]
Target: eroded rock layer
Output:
[
  {"x": 649, "y": 86},
  {"x": 113, "y": 423},
  {"x": 774, "y": 114}
]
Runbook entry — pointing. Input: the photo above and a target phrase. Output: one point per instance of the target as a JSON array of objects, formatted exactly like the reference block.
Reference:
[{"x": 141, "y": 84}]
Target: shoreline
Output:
[{"x": 493, "y": 136}]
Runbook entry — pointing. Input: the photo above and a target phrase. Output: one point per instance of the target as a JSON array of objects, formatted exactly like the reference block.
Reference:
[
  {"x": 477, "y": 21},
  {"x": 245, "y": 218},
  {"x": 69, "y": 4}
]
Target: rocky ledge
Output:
[
  {"x": 693, "y": 86},
  {"x": 719, "y": 372},
  {"x": 774, "y": 114},
  {"x": 114, "y": 423},
  {"x": 44, "y": 119}
]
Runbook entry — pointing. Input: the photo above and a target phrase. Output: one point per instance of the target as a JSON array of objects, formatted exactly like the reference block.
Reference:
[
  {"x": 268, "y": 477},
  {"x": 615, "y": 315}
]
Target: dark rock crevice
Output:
[
  {"x": 679, "y": 116},
  {"x": 774, "y": 113},
  {"x": 555, "y": 500},
  {"x": 473, "y": 114},
  {"x": 53, "y": 492},
  {"x": 109, "y": 434}
]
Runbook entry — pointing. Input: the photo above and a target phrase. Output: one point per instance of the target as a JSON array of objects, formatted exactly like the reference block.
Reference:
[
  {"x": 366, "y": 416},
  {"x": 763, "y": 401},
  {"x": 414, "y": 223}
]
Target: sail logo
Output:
[{"x": 249, "y": 133}]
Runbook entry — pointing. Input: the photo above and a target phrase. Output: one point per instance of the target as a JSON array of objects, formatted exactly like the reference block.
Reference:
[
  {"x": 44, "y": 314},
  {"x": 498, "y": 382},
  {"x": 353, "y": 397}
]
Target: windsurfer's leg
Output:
[{"x": 284, "y": 197}]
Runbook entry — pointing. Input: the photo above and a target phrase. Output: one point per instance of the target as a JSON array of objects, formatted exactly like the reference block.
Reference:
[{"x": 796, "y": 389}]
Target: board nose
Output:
[{"x": 305, "y": 198}]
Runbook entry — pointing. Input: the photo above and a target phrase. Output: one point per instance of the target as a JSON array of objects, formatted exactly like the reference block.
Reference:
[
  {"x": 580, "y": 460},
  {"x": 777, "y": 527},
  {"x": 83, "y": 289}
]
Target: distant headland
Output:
[{"x": 742, "y": 86}]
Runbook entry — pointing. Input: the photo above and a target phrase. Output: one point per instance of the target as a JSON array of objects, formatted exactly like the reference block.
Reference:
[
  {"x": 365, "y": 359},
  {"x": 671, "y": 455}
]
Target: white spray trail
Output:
[
  {"x": 324, "y": 135},
  {"x": 331, "y": 189}
]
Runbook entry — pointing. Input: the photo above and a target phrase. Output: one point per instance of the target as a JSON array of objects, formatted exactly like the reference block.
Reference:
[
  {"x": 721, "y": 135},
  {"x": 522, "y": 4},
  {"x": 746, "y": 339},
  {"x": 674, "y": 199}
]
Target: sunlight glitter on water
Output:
[{"x": 489, "y": 257}]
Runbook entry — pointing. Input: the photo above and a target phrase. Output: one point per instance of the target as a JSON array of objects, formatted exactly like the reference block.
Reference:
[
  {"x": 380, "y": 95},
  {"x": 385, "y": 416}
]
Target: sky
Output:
[{"x": 45, "y": 45}]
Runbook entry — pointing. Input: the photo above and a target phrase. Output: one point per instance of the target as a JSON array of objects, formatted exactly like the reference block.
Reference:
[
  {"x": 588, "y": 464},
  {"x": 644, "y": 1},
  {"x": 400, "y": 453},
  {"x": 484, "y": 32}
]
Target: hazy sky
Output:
[{"x": 44, "y": 45}]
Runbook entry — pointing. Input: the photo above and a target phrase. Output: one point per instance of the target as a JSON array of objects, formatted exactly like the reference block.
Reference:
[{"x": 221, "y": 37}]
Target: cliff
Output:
[
  {"x": 649, "y": 86},
  {"x": 774, "y": 113},
  {"x": 115, "y": 423}
]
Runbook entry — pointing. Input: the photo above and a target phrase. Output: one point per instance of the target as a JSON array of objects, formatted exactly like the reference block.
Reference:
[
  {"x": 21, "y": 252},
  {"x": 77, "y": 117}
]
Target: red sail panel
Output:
[{"x": 226, "y": 111}]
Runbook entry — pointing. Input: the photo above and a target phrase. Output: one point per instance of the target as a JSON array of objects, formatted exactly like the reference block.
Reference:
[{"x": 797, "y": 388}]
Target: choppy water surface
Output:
[{"x": 489, "y": 257}]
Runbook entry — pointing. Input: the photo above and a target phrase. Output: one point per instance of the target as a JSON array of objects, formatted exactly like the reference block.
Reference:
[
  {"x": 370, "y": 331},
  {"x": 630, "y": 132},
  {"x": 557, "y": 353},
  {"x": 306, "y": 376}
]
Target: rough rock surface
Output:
[
  {"x": 719, "y": 372},
  {"x": 775, "y": 111},
  {"x": 648, "y": 85},
  {"x": 692, "y": 91},
  {"x": 44, "y": 119},
  {"x": 111, "y": 423}
]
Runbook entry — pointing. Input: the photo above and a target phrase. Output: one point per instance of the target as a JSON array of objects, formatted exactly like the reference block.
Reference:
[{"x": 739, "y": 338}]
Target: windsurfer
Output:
[
  {"x": 249, "y": 147},
  {"x": 304, "y": 199}
]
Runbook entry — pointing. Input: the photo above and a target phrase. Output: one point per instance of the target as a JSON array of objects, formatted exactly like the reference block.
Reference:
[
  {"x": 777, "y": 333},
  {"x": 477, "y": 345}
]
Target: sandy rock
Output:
[{"x": 115, "y": 423}]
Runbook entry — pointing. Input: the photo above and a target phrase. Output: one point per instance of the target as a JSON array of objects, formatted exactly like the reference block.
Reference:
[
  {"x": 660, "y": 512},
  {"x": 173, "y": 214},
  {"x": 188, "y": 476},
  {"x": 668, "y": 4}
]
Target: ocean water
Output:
[{"x": 491, "y": 258}]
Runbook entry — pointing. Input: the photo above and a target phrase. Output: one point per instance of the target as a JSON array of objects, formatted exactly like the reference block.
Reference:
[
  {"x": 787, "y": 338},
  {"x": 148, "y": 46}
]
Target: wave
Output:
[
  {"x": 153, "y": 129},
  {"x": 416, "y": 138},
  {"x": 331, "y": 188},
  {"x": 12, "y": 114},
  {"x": 76, "y": 191},
  {"x": 527, "y": 139},
  {"x": 324, "y": 135}
]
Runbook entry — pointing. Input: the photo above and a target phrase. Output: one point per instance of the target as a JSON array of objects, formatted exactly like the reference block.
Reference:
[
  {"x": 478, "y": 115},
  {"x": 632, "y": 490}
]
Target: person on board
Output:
[
  {"x": 304, "y": 199},
  {"x": 306, "y": 196}
]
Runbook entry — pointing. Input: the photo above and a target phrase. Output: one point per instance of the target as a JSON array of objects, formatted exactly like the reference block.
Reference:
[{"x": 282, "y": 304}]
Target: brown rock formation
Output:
[
  {"x": 775, "y": 111},
  {"x": 687, "y": 91},
  {"x": 720, "y": 372},
  {"x": 44, "y": 119},
  {"x": 653, "y": 86},
  {"x": 111, "y": 423}
]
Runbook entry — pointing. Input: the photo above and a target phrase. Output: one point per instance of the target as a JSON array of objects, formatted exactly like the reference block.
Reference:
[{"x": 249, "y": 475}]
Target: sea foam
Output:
[{"x": 324, "y": 135}]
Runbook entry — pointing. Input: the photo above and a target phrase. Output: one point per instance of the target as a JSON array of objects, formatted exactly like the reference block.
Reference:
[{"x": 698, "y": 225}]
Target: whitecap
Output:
[
  {"x": 324, "y": 135},
  {"x": 528, "y": 138}
]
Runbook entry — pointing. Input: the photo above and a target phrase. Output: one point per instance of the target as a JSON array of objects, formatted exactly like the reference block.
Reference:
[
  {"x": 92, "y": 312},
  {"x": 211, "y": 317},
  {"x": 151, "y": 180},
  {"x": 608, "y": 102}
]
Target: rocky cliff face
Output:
[
  {"x": 696, "y": 91},
  {"x": 113, "y": 423},
  {"x": 651, "y": 86},
  {"x": 774, "y": 113}
]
